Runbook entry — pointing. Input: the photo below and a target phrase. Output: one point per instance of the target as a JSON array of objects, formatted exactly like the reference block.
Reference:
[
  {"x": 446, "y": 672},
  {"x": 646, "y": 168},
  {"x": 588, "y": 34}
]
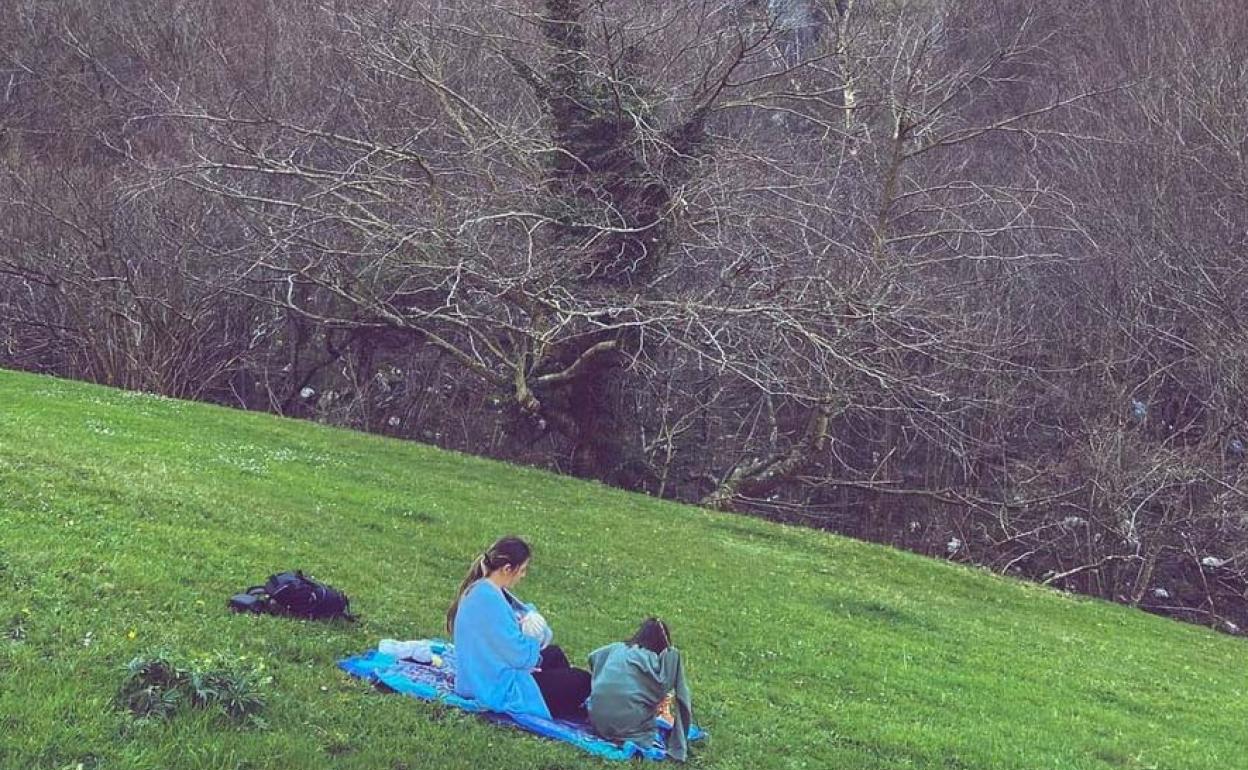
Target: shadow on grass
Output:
[
  {"x": 777, "y": 536},
  {"x": 871, "y": 610}
]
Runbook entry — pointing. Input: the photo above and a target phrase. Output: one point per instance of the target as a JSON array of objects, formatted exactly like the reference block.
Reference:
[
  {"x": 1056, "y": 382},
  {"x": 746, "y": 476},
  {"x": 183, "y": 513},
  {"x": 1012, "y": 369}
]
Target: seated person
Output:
[
  {"x": 631, "y": 682},
  {"x": 502, "y": 646}
]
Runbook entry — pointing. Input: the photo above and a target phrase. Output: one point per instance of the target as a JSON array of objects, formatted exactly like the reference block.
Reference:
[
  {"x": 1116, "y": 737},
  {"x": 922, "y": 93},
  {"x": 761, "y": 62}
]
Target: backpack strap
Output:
[{"x": 264, "y": 602}]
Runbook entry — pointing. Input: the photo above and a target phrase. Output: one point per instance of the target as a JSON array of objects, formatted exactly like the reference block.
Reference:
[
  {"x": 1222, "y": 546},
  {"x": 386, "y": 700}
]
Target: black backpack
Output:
[{"x": 293, "y": 593}]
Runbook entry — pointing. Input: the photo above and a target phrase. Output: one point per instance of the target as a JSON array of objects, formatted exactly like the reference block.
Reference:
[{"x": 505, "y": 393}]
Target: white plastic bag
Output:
[{"x": 535, "y": 626}]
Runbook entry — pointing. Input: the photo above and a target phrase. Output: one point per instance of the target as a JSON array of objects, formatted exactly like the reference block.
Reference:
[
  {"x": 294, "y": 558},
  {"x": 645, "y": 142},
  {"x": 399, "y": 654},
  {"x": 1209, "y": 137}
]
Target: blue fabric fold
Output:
[{"x": 433, "y": 682}]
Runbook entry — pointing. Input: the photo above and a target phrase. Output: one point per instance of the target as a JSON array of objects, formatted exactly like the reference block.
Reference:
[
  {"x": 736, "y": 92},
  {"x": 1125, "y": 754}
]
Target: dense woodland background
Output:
[{"x": 963, "y": 276}]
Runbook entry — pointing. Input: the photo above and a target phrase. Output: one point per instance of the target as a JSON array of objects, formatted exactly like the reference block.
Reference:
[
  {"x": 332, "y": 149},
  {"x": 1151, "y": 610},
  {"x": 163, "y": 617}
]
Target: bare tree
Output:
[{"x": 959, "y": 276}]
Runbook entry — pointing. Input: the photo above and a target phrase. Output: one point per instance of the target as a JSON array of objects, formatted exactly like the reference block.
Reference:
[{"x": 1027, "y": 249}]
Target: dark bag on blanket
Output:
[{"x": 293, "y": 593}]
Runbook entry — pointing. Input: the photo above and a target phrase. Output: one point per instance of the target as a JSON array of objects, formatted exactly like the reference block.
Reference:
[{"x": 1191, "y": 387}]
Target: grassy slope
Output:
[{"x": 124, "y": 514}]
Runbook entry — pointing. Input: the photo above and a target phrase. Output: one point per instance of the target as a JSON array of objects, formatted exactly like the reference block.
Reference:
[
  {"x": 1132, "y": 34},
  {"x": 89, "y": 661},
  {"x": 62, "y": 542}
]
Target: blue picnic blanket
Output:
[{"x": 436, "y": 682}]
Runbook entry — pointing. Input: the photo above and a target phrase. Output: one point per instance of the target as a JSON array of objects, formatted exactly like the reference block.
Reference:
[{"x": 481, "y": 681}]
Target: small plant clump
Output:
[{"x": 154, "y": 688}]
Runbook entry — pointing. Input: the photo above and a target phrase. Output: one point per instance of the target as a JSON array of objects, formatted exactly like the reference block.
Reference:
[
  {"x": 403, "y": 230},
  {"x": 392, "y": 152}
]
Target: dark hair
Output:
[
  {"x": 653, "y": 635},
  {"x": 506, "y": 552}
]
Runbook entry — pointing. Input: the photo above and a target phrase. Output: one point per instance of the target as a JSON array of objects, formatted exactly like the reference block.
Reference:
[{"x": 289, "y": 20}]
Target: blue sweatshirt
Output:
[{"x": 494, "y": 659}]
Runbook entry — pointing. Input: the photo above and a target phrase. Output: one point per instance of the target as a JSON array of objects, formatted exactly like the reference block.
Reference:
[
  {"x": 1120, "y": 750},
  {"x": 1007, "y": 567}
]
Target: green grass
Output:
[{"x": 126, "y": 520}]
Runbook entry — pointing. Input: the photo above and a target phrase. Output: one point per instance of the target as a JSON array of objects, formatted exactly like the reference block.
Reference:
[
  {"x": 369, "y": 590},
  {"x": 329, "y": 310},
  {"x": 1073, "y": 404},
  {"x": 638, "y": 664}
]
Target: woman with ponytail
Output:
[{"x": 504, "y": 658}]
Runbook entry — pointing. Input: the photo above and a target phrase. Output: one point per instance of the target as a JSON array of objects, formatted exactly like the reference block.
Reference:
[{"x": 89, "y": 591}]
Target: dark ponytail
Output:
[
  {"x": 506, "y": 552},
  {"x": 653, "y": 635}
]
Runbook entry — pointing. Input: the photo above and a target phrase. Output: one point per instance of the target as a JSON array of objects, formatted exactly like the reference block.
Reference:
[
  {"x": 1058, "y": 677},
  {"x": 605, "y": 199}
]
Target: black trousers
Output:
[{"x": 563, "y": 687}]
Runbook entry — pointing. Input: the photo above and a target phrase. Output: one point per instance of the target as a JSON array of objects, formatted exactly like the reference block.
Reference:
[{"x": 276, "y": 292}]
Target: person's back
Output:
[
  {"x": 625, "y": 692},
  {"x": 631, "y": 680}
]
